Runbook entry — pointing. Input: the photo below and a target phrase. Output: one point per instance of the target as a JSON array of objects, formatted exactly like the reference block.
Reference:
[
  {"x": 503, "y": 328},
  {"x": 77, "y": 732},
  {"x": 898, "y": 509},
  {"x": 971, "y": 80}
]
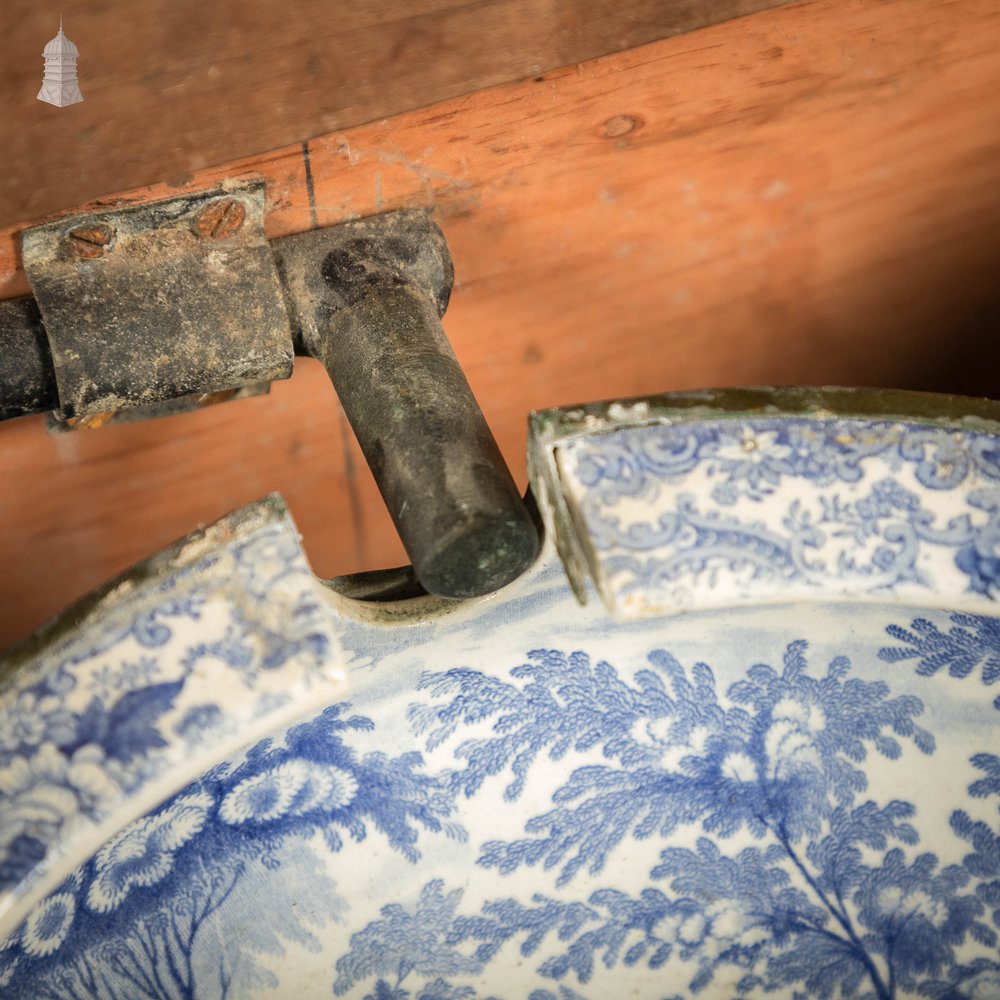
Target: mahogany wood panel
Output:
[
  {"x": 171, "y": 86},
  {"x": 806, "y": 196}
]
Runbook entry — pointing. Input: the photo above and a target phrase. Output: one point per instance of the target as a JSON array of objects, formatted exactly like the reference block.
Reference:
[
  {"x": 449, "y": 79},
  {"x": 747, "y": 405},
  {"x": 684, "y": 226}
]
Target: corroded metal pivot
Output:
[
  {"x": 366, "y": 299},
  {"x": 151, "y": 309}
]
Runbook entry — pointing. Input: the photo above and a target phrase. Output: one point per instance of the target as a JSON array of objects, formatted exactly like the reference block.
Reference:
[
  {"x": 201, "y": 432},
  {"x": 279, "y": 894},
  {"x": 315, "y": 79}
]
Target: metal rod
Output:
[{"x": 366, "y": 299}]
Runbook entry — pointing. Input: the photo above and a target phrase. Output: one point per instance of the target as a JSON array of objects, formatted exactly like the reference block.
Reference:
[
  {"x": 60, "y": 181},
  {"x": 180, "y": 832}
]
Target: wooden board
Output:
[
  {"x": 171, "y": 86},
  {"x": 806, "y": 196}
]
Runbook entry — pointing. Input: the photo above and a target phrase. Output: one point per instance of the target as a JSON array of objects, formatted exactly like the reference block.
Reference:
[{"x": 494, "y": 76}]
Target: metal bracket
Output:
[{"x": 167, "y": 302}]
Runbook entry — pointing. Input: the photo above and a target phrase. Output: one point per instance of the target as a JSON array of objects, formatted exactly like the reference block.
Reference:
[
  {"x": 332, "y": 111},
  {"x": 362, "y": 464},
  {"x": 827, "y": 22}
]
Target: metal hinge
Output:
[{"x": 165, "y": 306}]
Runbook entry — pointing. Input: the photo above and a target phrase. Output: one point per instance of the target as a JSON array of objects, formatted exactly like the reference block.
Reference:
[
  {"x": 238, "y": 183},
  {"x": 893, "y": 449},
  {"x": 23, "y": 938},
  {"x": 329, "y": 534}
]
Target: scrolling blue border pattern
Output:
[
  {"x": 719, "y": 511},
  {"x": 102, "y": 715}
]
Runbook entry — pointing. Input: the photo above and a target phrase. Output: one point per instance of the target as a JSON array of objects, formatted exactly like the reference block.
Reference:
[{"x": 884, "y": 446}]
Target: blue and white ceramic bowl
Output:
[{"x": 765, "y": 763}]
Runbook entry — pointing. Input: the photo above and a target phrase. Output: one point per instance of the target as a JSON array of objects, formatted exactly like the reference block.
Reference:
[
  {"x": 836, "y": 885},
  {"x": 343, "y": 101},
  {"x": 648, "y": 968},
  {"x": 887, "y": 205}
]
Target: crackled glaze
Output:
[{"x": 522, "y": 799}]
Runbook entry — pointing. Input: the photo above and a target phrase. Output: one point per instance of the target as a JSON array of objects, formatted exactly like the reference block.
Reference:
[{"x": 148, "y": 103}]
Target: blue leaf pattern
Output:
[
  {"x": 973, "y": 644},
  {"x": 158, "y": 888},
  {"x": 800, "y": 881},
  {"x": 828, "y": 900}
]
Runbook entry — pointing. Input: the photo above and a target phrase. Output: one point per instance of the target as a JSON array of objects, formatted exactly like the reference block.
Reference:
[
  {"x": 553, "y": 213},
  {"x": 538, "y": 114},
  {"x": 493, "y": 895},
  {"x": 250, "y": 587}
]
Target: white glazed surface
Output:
[{"x": 523, "y": 799}]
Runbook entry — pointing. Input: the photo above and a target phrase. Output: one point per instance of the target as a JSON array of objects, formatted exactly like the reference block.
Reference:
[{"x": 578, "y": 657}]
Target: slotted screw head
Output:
[
  {"x": 89, "y": 242},
  {"x": 219, "y": 219}
]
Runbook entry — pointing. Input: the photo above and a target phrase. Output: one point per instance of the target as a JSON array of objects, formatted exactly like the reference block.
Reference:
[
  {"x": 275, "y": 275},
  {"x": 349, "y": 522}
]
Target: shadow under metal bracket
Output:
[{"x": 172, "y": 305}]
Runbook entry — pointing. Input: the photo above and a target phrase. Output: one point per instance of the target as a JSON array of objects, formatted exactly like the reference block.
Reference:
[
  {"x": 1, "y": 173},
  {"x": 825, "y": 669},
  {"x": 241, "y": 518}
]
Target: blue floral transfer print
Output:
[
  {"x": 799, "y": 880},
  {"x": 57, "y": 765},
  {"x": 144, "y": 917},
  {"x": 101, "y": 712},
  {"x": 831, "y": 897},
  {"x": 866, "y": 506}
]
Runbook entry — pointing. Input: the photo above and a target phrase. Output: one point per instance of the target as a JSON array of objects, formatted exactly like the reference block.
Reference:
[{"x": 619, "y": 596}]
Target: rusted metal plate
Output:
[{"x": 146, "y": 304}]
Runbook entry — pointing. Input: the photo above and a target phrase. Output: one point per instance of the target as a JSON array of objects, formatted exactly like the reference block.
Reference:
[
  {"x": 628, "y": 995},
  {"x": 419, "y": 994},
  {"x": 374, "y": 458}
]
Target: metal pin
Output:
[{"x": 366, "y": 299}]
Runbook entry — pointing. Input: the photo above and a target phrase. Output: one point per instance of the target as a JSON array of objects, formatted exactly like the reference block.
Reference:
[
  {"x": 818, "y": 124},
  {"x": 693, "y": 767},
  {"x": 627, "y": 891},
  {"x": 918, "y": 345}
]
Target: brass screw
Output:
[
  {"x": 219, "y": 219},
  {"x": 89, "y": 242}
]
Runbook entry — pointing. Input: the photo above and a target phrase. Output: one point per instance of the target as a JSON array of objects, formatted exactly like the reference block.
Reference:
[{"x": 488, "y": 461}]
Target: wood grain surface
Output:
[
  {"x": 171, "y": 86},
  {"x": 809, "y": 195}
]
